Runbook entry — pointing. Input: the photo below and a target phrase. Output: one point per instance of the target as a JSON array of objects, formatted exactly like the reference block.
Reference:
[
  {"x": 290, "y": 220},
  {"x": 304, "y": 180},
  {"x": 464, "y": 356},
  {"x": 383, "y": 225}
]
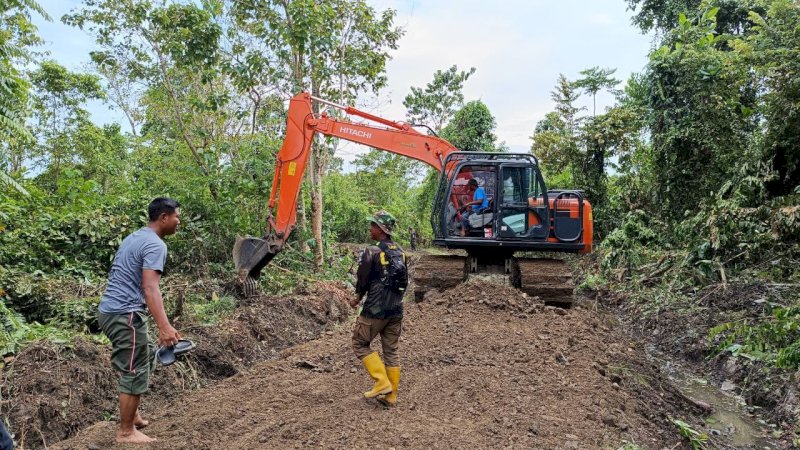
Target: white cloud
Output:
[
  {"x": 518, "y": 47},
  {"x": 601, "y": 19}
]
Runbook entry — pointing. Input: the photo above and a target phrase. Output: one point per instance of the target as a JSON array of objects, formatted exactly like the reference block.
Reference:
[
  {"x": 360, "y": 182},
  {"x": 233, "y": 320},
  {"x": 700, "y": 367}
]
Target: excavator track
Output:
[
  {"x": 548, "y": 279},
  {"x": 437, "y": 272}
]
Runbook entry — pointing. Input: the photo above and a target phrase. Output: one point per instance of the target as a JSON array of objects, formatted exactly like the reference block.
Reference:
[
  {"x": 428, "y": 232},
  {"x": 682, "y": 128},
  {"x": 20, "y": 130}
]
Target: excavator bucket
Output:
[{"x": 251, "y": 254}]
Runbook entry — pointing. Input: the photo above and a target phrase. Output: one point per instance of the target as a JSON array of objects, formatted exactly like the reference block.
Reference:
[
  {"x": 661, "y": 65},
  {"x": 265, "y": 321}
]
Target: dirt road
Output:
[{"x": 484, "y": 367}]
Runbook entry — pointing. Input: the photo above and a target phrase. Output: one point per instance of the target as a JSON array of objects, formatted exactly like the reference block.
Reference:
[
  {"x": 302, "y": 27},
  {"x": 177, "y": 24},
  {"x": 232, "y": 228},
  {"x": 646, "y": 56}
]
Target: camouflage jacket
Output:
[{"x": 381, "y": 302}]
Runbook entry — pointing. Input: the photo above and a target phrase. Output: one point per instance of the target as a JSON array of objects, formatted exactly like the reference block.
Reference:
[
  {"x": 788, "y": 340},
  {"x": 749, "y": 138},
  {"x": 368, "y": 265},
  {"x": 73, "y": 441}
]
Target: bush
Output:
[{"x": 775, "y": 339}]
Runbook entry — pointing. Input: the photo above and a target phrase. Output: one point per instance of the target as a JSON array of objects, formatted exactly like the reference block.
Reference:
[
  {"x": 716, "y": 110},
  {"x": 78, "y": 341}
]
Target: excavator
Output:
[{"x": 522, "y": 215}]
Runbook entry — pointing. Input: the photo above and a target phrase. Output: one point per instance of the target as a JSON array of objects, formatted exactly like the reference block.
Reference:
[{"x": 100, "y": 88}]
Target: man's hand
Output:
[
  {"x": 168, "y": 336},
  {"x": 355, "y": 301}
]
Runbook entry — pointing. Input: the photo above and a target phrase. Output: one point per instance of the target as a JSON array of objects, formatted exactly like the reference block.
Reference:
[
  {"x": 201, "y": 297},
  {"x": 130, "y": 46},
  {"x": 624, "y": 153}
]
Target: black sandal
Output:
[{"x": 167, "y": 355}]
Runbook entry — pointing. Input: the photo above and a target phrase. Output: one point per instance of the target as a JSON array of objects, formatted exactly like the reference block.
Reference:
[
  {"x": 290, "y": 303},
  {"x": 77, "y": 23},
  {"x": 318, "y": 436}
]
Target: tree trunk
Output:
[
  {"x": 301, "y": 220},
  {"x": 316, "y": 208},
  {"x": 318, "y": 162}
]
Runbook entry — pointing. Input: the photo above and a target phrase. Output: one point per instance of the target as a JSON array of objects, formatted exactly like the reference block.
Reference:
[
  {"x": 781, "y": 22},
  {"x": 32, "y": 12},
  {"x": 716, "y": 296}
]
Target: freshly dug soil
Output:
[
  {"x": 50, "y": 392},
  {"x": 484, "y": 366}
]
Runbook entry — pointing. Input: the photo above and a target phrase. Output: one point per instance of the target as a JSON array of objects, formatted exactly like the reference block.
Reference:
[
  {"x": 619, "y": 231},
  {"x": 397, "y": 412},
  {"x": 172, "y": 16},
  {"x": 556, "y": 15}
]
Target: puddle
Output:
[{"x": 730, "y": 418}]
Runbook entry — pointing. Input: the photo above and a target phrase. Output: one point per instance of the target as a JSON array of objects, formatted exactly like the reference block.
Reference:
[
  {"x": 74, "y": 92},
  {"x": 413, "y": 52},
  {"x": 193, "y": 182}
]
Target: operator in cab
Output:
[{"x": 479, "y": 203}]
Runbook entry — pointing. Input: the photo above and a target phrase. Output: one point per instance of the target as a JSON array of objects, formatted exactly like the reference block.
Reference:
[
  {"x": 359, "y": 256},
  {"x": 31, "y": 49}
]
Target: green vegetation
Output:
[
  {"x": 705, "y": 188},
  {"x": 199, "y": 86},
  {"x": 696, "y": 439},
  {"x": 694, "y": 170}
]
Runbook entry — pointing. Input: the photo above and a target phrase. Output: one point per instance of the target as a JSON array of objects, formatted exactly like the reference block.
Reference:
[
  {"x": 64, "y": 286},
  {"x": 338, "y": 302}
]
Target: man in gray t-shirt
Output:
[
  {"x": 132, "y": 290},
  {"x": 142, "y": 249}
]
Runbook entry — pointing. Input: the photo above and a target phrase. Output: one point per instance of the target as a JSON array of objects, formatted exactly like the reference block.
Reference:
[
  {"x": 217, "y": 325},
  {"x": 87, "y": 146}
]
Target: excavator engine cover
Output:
[{"x": 251, "y": 254}]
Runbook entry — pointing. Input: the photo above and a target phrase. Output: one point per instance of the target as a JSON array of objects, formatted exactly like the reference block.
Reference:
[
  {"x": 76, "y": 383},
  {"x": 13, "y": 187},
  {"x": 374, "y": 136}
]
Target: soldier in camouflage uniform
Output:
[{"x": 382, "y": 313}]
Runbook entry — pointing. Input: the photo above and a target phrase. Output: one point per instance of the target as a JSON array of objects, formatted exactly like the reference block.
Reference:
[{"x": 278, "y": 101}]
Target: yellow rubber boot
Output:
[
  {"x": 377, "y": 371},
  {"x": 393, "y": 373}
]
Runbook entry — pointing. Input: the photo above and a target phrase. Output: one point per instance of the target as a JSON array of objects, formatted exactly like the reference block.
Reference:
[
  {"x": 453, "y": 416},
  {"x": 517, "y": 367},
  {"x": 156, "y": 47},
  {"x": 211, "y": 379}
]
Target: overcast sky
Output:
[{"x": 517, "y": 46}]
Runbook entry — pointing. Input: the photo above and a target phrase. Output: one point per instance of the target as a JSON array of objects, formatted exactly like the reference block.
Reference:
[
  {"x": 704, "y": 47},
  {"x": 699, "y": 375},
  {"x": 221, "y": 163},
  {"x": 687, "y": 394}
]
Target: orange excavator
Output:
[{"x": 519, "y": 214}]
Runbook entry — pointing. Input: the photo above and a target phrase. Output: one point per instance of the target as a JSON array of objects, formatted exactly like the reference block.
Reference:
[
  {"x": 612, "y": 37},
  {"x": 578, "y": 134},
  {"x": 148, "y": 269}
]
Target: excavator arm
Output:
[{"x": 250, "y": 254}]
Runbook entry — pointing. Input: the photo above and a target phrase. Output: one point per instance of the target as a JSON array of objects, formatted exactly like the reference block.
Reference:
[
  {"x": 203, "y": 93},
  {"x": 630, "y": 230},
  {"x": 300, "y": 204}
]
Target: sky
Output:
[{"x": 518, "y": 48}]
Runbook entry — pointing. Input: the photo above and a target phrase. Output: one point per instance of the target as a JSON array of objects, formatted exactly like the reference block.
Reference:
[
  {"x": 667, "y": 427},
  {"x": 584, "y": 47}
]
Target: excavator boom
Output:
[{"x": 250, "y": 254}]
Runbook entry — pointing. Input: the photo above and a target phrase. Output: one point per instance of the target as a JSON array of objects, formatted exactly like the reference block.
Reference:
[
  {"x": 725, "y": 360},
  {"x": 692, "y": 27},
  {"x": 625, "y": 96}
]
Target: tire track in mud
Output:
[{"x": 484, "y": 366}]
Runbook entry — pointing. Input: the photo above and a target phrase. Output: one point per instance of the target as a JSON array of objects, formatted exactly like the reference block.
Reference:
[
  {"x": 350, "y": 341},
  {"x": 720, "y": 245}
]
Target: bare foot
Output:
[
  {"x": 138, "y": 422},
  {"x": 133, "y": 437}
]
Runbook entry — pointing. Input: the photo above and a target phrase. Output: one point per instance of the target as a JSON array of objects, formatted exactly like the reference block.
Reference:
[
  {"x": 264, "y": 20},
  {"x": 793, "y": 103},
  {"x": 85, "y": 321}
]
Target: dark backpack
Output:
[{"x": 395, "y": 272}]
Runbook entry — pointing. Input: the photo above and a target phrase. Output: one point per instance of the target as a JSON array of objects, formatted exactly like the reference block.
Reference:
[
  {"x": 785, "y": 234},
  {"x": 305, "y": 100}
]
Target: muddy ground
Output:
[
  {"x": 484, "y": 367},
  {"x": 680, "y": 333},
  {"x": 50, "y": 392}
]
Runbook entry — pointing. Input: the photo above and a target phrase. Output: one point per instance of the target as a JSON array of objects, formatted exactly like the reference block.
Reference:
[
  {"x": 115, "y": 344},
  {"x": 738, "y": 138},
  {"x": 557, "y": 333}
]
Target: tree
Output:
[
  {"x": 565, "y": 96},
  {"x": 701, "y": 103},
  {"x": 439, "y": 100},
  {"x": 17, "y": 33},
  {"x": 664, "y": 15},
  {"x": 334, "y": 49},
  {"x": 576, "y": 150},
  {"x": 472, "y": 128},
  {"x": 174, "y": 51},
  {"x": 58, "y": 104},
  {"x": 773, "y": 52},
  {"x": 555, "y": 137},
  {"x": 614, "y": 133},
  {"x": 595, "y": 80}
]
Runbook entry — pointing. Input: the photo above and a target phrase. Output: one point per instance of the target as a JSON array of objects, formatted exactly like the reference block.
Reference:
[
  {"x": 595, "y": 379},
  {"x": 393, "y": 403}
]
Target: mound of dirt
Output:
[
  {"x": 52, "y": 391},
  {"x": 502, "y": 297},
  {"x": 262, "y": 327},
  {"x": 483, "y": 367}
]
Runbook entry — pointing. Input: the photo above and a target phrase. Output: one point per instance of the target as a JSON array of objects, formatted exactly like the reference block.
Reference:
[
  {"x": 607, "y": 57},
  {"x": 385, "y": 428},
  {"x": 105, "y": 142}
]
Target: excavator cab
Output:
[{"x": 522, "y": 214}]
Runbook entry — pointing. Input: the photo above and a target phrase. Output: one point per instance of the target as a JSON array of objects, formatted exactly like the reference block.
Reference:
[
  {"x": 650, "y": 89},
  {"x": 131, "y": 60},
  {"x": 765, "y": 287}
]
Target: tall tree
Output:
[
  {"x": 614, "y": 133},
  {"x": 59, "y": 101},
  {"x": 555, "y": 140},
  {"x": 17, "y": 34},
  {"x": 701, "y": 102},
  {"x": 436, "y": 104},
  {"x": 595, "y": 80},
  {"x": 174, "y": 51},
  {"x": 664, "y": 15},
  {"x": 472, "y": 128},
  {"x": 774, "y": 52},
  {"x": 333, "y": 48},
  {"x": 575, "y": 150}
]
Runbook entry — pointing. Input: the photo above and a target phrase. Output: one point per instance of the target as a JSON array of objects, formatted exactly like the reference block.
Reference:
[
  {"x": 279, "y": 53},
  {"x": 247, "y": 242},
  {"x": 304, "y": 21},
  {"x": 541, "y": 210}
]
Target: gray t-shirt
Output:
[{"x": 142, "y": 249}]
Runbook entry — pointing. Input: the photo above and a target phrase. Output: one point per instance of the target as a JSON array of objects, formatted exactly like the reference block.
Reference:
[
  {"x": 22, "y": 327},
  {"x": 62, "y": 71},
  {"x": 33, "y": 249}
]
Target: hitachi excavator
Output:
[{"x": 520, "y": 214}]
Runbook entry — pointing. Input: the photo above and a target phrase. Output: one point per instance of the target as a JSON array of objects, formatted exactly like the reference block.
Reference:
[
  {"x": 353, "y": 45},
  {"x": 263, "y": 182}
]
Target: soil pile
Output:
[
  {"x": 484, "y": 366},
  {"x": 50, "y": 392}
]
